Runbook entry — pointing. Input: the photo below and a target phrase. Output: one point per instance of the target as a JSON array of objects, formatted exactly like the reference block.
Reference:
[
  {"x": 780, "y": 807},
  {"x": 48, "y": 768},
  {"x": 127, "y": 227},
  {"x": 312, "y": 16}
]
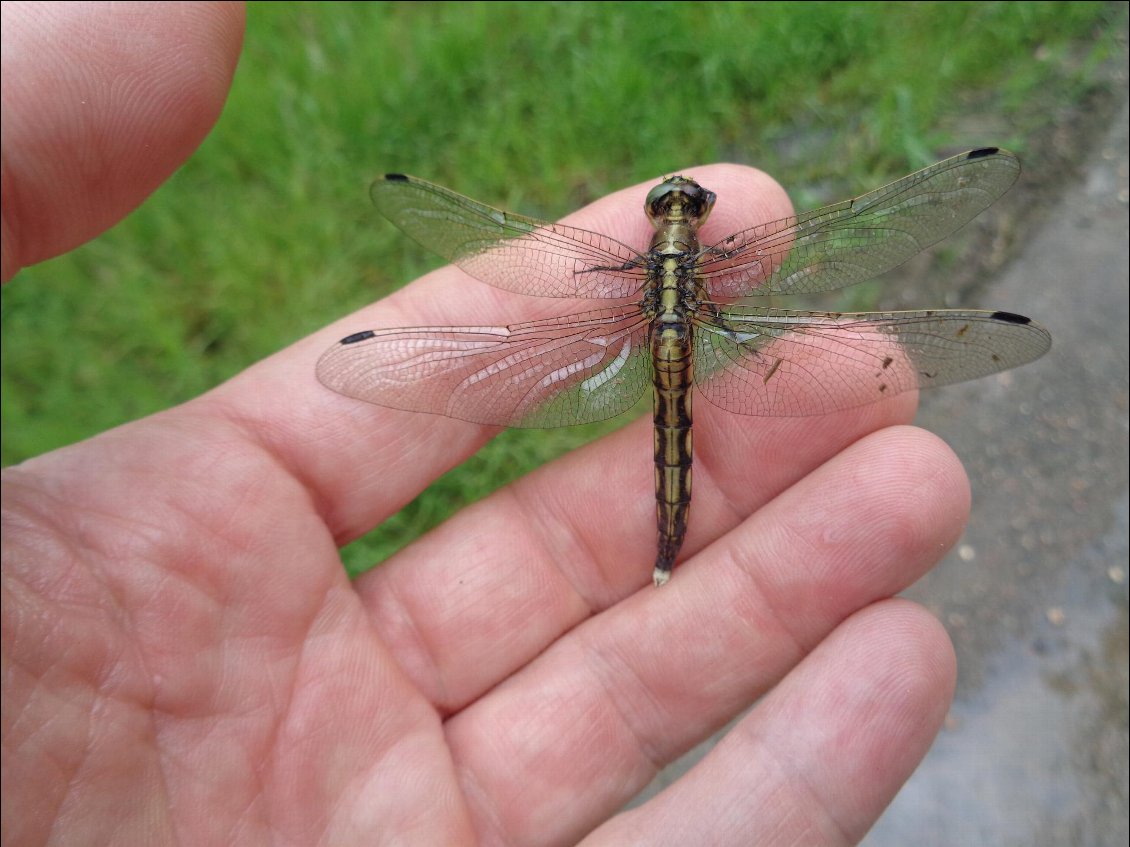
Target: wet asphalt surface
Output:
[{"x": 1035, "y": 748}]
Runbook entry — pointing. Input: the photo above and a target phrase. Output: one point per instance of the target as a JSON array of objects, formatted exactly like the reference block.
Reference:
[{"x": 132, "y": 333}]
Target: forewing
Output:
[
  {"x": 555, "y": 372},
  {"x": 508, "y": 251},
  {"x": 762, "y": 362},
  {"x": 858, "y": 239}
]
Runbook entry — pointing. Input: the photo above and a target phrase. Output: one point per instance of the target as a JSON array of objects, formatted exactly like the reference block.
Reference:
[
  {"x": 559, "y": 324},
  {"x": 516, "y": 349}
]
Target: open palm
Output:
[{"x": 186, "y": 661}]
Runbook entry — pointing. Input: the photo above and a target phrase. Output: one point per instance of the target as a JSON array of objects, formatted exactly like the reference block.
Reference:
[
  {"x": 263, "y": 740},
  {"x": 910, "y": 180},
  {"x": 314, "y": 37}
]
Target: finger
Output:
[
  {"x": 576, "y": 733},
  {"x": 365, "y": 462},
  {"x": 821, "y": 756},
  {"x": 102, "y": 102}
]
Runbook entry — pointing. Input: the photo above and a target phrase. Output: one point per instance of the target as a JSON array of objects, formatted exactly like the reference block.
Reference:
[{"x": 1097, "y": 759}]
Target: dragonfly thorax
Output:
[{"x": 679, "y": 199}]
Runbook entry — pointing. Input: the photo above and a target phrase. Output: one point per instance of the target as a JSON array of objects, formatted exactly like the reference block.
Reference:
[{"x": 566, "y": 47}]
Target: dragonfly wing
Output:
[
  {"x": 775, "y": 362},
  {"x": 508, "y": 251},
  {"x": 555, "y": 372},
  {"x": 855, "y": 240}
]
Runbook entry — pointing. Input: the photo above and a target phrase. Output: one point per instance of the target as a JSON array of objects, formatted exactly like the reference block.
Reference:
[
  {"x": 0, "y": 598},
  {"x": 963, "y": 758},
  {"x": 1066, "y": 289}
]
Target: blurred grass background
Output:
[{"x": 267, "y": 234}]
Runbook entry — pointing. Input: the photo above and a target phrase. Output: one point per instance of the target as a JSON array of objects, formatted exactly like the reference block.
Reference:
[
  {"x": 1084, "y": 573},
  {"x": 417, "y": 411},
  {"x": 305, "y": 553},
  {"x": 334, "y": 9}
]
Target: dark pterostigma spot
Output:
[
  {"x": 982, "y": 152},
  {"x": 1009, "y": 317},
  {"x": 396, "y": 177},
  {"x": 357, "y": 336}
]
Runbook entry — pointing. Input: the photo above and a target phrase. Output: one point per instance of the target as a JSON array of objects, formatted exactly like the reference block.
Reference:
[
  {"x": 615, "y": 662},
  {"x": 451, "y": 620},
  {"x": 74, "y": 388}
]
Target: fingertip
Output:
[
  {"x": 916, "y": 658},
  {"x": 189, "y": 97},
  {"x": 898, "y": 662},
  {"x": 103, "y": 102},
  {"x": 927, "y": 488}
]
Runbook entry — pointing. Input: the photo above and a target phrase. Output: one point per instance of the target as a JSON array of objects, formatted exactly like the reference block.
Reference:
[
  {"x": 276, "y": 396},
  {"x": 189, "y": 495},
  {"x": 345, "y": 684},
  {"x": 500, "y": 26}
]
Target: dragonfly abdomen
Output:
[{"x": 673, "y": 374}]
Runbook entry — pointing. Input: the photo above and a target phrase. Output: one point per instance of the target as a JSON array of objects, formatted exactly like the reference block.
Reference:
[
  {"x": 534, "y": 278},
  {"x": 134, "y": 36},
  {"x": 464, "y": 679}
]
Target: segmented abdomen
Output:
[{"x": 673, "y": 374}]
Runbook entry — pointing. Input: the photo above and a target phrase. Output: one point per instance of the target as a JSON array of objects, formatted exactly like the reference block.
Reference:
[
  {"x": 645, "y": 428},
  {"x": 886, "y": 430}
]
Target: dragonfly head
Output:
[{"x": 679, "y": 198}]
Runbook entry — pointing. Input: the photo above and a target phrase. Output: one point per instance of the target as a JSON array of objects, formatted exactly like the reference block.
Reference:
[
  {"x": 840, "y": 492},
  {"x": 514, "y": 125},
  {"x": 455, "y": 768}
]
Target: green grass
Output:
[{"x": 266, "y": 233}]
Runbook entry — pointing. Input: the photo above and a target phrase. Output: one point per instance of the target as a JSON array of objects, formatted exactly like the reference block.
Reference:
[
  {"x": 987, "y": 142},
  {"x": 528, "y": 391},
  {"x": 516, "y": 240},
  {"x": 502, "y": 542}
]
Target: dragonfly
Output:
[{"x": 677, "y": 316}]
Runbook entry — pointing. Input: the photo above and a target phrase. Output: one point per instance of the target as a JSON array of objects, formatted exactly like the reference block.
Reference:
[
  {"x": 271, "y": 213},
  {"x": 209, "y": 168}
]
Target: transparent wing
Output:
[
  {"x": 555, "y": 372},
  {"x": 858, "y": 239},
  {"x": 508, "y": 251},
  {"x": 762, "y": 362}
]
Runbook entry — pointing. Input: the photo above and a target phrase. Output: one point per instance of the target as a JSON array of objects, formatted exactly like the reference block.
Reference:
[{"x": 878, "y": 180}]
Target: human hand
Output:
[{"x": 185, "y": 659}]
